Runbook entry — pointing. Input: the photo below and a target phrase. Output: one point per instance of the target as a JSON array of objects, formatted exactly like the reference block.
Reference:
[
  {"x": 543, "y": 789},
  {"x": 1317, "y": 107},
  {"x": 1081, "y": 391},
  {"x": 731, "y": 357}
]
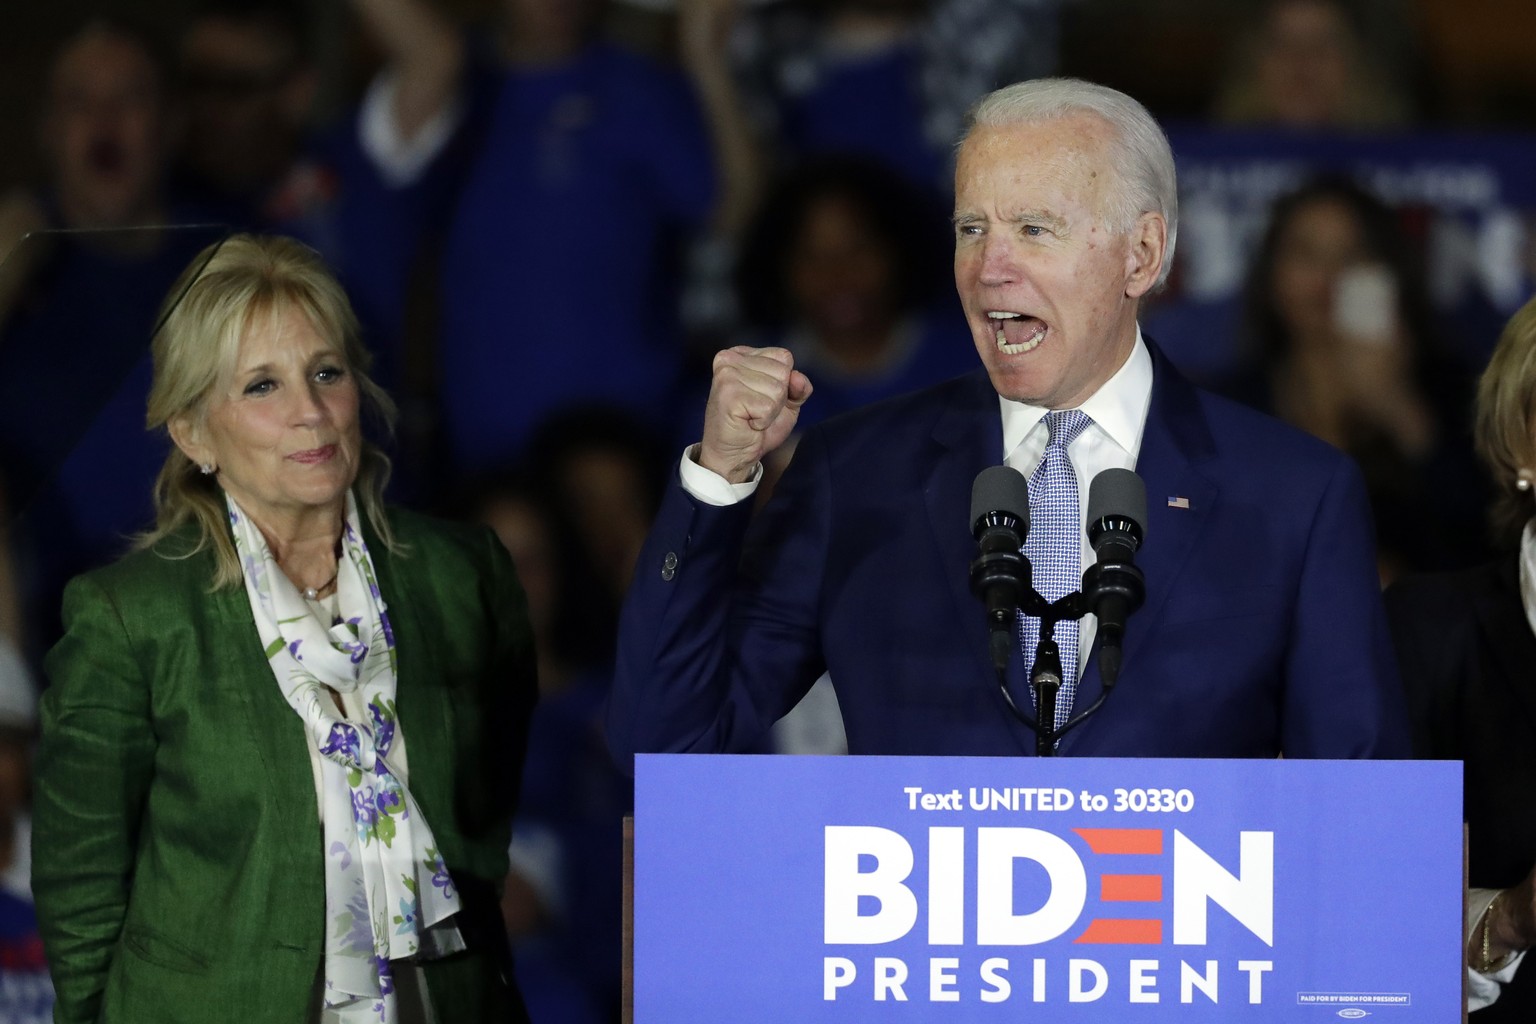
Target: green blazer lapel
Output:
[
  {"x": 421, "y": 701},
  {"x": 220, "y": 662},
  {"x": 275, "y": 727}
]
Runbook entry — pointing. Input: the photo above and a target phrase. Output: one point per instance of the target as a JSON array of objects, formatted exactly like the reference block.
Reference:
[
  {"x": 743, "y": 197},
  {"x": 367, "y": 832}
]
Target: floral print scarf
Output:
[{"x": 388, "y": 895}]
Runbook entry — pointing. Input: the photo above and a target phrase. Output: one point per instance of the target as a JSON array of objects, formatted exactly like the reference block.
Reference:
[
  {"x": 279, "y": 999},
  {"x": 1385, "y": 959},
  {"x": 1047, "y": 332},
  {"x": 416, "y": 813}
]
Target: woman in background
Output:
[
  {"x": 1343, "y": 345},
  {"x": 838, "y": 267}
]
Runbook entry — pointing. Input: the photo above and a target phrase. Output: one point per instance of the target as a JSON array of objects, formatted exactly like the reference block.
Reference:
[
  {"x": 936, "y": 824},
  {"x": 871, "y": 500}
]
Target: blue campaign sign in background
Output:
[
  {"x": 771, "y": 889},
  {"x": 1466, "y": 201}
]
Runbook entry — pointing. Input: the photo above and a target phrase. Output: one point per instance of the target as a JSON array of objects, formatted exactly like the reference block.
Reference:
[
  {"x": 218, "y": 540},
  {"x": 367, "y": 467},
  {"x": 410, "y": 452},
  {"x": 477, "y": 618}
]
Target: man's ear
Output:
[
  {"x": 188, "y": 434},
  {"x": 1148, "y": 244}
]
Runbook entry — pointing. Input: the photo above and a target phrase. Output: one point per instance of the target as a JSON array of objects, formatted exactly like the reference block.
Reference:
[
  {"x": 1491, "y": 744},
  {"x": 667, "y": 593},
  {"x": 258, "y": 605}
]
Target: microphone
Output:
[
  {"x": 1113, "y": 587},
  {"x": 1000, "y": 574}
]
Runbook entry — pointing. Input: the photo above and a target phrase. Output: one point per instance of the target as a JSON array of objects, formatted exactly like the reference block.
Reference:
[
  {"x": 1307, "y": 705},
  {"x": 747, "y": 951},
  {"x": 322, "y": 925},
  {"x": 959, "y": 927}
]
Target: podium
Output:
[{"x": 896, "y": 889}]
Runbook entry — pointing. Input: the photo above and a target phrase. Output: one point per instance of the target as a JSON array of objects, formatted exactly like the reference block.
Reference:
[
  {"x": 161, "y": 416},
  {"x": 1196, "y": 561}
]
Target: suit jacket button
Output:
[{"x": 669, "y": 565}]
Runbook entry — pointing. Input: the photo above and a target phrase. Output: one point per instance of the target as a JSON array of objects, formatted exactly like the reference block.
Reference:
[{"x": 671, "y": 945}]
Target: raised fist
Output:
[{"x": 754, "y": 404}]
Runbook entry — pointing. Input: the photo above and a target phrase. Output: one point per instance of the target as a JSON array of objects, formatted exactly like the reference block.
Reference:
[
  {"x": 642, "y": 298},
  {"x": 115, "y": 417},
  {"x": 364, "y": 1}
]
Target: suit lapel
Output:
[
  {"x": 235, "y": 670},
  {"x": 968, "y": 437},
  {"x": 240, "y": 671},
  {"x": 278, "y": 733},
  {"x": 1175, "y": 448}
]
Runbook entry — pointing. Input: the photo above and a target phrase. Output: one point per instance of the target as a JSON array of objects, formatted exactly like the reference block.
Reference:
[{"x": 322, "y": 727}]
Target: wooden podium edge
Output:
[{"x": 627, "y": 969}]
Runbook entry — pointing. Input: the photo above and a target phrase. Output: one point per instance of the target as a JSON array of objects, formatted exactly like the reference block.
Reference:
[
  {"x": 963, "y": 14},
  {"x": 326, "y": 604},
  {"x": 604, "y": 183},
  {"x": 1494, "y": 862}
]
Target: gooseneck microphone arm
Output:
[{"x": 1045, "y": 674}]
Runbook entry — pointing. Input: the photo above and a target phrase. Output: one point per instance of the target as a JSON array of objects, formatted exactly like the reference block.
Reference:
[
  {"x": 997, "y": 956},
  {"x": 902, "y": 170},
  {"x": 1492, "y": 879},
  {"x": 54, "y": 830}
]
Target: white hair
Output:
[{"x": 1140, "y": 157}]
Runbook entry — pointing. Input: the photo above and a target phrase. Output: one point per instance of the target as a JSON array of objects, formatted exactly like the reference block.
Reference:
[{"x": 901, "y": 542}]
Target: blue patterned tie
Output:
[{"x": 1054, "y": 546}]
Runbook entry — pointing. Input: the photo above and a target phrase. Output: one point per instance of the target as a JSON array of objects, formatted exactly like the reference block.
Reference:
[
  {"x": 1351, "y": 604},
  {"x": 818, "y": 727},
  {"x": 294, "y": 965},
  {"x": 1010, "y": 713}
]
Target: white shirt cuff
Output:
[
  {"x": 401, "y": 161},
  {"x": 710, "y": 487},
  {"x": 1483, "y": 989}
]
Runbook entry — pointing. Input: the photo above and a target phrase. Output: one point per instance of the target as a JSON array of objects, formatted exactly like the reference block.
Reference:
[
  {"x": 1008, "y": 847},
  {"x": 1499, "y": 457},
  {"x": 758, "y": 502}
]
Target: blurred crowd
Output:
[{"x": 550, "y": 219}]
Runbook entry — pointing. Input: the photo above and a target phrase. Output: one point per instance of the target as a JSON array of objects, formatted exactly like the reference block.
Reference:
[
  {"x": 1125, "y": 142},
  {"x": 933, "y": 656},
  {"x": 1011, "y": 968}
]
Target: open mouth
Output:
[{"x": 1016, "y": 333}]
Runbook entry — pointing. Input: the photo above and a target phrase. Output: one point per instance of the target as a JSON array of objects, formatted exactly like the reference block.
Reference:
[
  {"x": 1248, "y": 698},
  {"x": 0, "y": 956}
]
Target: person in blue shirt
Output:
[
  {"x": 585, "y": 169},
  {"x": 843, "y": 266},
  {"x": 77, "y": 310}
]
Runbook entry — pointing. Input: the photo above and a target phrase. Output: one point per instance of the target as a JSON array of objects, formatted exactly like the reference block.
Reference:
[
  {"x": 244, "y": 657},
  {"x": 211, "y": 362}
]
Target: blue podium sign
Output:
[{"x": 897, "y": 889}]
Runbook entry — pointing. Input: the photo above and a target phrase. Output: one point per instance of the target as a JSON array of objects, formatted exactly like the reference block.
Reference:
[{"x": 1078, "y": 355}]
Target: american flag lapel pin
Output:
[{"x": 1178, "y": 501}]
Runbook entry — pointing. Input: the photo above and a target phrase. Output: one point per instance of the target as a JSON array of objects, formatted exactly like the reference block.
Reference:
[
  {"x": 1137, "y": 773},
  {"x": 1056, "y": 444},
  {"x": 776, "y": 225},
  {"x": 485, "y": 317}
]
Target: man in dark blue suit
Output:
[{"x": 1262, "y": 633}]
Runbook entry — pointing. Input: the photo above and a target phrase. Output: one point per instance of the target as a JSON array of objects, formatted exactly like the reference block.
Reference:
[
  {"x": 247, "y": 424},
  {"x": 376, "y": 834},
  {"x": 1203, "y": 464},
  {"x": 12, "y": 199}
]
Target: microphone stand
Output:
[{"x": 1045, "y": 675}]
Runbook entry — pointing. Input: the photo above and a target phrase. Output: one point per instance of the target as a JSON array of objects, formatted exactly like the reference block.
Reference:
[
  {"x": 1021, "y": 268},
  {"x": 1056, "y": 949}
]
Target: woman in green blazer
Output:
[{"x": 282, "y": 740}]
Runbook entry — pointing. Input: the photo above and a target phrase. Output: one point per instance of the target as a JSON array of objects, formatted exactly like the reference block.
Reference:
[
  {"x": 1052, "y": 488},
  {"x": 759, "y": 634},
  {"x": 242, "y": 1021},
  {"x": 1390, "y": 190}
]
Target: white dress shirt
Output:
[
  {"x": 1113, "y": 441},
  {"x": 1119, "y": 413}
]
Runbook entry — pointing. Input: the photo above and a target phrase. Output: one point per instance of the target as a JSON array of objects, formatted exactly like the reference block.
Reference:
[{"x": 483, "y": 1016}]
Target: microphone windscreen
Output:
[
  {"x": 1000, "y": 489},
  {"x": 1118, "y": 494}
]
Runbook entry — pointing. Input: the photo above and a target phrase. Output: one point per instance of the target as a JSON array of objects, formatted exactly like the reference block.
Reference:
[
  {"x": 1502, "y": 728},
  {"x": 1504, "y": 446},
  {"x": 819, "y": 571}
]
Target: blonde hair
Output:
[
  {"x": 1506, "y": 402},
  {"x": 225, "y": 289}
]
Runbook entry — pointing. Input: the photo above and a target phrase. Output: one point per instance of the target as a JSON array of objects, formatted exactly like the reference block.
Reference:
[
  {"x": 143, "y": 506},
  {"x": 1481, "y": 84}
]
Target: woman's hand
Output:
[{"x": 1511, "y": 925}]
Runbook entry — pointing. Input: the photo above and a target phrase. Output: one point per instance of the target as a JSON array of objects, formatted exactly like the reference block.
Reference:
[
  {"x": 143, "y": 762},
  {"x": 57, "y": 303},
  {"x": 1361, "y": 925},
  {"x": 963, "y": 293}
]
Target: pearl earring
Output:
[
  {"x": 1523, "y": 483},
  {"x": 207, "y": 469}
]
